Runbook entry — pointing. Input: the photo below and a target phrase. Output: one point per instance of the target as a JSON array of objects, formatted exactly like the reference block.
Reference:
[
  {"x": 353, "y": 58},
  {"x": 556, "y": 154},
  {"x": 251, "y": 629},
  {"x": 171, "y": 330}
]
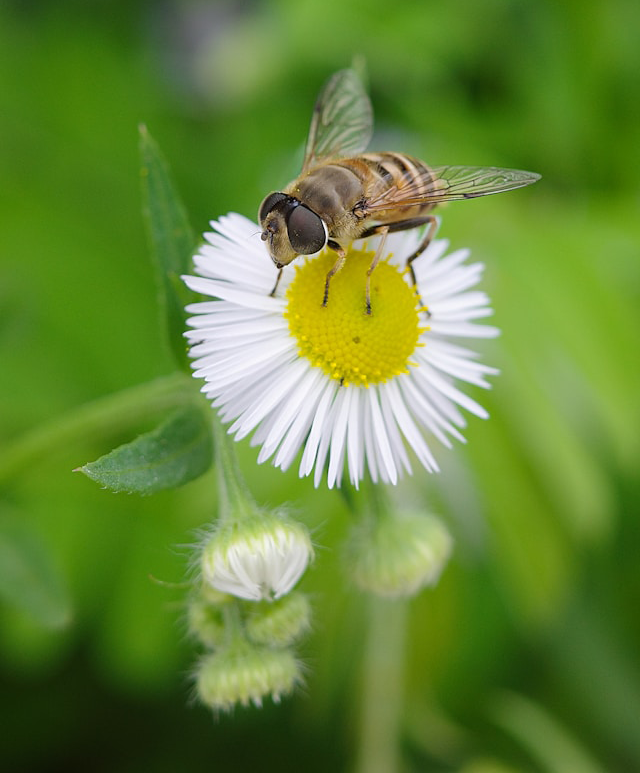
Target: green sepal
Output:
[
  {"x": 171, "y": 239},
  {"x": 176, "y": 452}
]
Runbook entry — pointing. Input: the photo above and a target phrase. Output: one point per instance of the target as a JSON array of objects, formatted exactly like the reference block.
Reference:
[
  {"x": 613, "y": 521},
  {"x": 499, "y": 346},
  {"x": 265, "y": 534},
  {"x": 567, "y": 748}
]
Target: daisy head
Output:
[{"x": 343, "y": 389}]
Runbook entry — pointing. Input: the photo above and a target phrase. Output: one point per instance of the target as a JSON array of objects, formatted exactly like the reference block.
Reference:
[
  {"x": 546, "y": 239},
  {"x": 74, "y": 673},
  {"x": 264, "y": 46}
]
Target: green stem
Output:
[
  {"x": 370, "y": 502},
  {"x": 234, "y": 496},
  {"x": 234, "y": 629},
  {"x": 382, "y": 688},
  {"x": 112, "y": 414}
]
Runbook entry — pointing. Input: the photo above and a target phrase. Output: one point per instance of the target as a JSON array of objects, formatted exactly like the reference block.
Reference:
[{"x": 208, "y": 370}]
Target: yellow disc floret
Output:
[{"x": 350, "y": 345}]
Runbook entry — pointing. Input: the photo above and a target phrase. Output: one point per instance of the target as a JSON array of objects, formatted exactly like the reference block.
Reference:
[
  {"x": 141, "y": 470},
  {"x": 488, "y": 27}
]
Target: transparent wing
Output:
[
  {"x": 342, "y": 121},
  {"x": 450, "y": 183}
]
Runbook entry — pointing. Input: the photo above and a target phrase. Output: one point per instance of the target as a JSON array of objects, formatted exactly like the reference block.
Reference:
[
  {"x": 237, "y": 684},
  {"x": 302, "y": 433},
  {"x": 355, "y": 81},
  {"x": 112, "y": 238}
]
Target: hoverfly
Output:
[{"x": 343, "y": 193}]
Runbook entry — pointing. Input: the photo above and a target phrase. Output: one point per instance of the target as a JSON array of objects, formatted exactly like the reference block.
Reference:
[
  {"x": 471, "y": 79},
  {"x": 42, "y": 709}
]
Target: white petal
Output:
[
  {"x": 355, "y": 445},
  {"x": 325, "y": 438},
  {"x": 317, "y": 428},
  {"x": 243, "y": 363},
  {"x": 229, "y": 292},
  {"x": 302, "y": 422},
  {"x": 369, "y": 445},
  {"x": 286, "y": 380},
  {"x": 447, "y": 389},
  {"x": 393, "y": 432},
  {"x": 409, "y": 429},
  {"x": 299, "y": 382},
  {"x": 380, "y": 438},
  {"x": 463, "y": 330},
  {"x": 338, "y": 436},
  {"x": 426, "y": 413},
  {"x": 458, "y": 367}
]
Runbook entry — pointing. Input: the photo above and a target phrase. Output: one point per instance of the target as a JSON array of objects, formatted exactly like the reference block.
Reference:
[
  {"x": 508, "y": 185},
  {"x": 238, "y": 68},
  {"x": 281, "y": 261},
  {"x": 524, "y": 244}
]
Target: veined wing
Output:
[
  {"x": 438, "y": 184},
  {"x": 342, "y": 122}
]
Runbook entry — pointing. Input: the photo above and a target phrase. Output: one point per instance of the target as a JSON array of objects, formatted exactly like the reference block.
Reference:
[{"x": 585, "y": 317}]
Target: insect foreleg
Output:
[
  {"x": 383, "y": 231},
  {"x": 336, "y": 267},
  {"x": 275, "y": 286}
]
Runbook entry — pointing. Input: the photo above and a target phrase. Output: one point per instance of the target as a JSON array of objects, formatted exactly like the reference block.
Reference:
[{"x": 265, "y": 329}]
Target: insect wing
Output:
[
  {"x": 438, "y": 184},
  {"x": 467, "y": 182},
  {"x": 342, "y": 122}
]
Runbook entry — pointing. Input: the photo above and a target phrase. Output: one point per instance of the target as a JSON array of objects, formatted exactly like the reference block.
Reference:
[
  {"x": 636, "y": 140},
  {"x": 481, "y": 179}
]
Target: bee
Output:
[{"x": 344, "y": 193}]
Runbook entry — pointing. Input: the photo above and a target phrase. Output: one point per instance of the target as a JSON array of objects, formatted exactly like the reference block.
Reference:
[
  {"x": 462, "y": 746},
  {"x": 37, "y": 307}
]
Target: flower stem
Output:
[
  {"x": 106, "y": 414},
  {"x": 234, "y": 628},
  {"x": 234, "y": 496},
  {"x": 382, "y": 687}
]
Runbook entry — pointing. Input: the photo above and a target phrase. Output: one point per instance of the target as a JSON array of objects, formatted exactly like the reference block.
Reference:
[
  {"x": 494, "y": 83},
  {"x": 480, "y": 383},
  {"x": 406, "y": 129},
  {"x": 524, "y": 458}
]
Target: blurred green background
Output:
[{"x": 525, "y": 658}]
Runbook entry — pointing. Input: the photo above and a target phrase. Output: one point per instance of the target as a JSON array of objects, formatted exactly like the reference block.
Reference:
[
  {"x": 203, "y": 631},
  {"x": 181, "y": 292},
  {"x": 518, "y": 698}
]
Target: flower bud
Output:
[
  {"x": 281, "y": 622},
  {"x": 245, "y": 674},
  {"x": 397, "y": 554},
  {"x": 206, "y": 622},
  {"x": 257, "y": 557}
]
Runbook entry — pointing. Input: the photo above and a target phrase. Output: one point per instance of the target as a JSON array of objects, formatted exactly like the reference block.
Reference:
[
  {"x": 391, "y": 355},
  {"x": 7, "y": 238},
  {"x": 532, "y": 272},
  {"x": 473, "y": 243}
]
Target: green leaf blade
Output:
[
  {"x": 176, "y": 452},
  {"x": 29, "y": 580},
  {"x": 171, "y": 239}
]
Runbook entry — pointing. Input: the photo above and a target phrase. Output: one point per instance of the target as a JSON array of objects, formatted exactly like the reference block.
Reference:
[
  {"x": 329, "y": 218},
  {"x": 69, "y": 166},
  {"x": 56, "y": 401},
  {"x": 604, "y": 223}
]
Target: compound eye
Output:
[
  {"x": 307, "y": 232},
  {"x": 272, "y": 200}
]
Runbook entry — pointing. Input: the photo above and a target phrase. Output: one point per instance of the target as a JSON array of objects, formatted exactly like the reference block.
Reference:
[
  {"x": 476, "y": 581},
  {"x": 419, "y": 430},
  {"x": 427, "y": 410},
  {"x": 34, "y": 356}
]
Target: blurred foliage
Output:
[{"x": 525, "y": 657}]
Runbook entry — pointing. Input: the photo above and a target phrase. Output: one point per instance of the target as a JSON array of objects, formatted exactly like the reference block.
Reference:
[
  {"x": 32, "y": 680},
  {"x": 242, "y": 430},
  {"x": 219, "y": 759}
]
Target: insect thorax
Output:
[{"x": 331, "y": 191}]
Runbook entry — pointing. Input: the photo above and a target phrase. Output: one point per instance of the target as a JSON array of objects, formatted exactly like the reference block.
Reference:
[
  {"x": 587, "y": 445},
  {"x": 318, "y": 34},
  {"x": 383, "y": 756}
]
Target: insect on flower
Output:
[{"x": 343, "y": 193}]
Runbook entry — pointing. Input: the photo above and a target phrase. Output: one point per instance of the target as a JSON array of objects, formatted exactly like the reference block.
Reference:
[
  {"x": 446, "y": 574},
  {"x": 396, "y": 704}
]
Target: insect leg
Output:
[
  {"x": 431, "y": 229},
  {"x": 399, "y": 225},
  {"x": 336, "y": 267},
  {"x": 405, "y": 225},
  {"x": 383, "y": 231},
  {"x": 275, "y": 286}
]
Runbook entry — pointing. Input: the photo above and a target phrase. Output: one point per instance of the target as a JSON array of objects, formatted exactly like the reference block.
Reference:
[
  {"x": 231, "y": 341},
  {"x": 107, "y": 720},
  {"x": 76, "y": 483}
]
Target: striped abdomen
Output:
[{"x": 400, "y": 176}]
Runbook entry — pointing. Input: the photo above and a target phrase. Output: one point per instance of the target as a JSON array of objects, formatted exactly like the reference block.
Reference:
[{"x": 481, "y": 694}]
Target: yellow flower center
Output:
[{"x": 350, "y": 345}]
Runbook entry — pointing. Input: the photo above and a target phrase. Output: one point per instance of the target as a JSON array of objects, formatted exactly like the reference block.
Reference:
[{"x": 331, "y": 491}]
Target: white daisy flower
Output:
[{"x": 344, "y": 387}]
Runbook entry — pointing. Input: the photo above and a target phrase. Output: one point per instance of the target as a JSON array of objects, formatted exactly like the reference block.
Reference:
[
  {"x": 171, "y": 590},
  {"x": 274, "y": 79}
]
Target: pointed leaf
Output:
[
  {"x": 28, "y": 578},
  {"x": 172, "y": 241},
  {"x": 176, "y": 452}
]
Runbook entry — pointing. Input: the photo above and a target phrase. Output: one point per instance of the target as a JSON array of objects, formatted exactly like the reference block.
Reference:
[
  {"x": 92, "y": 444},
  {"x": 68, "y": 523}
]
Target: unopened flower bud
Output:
[
  {"x": 245, "y": 674},
  {"x": 397, "y": 554},
  {"x": 281, "y": 622},
  {"x": 206, "y": 621},
  {"x": 255, "y": 558}
]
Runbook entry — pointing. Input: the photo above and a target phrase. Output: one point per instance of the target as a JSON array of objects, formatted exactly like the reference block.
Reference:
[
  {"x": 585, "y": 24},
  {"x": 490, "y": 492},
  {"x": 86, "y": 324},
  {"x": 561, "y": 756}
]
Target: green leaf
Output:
[
  {"x": 171, "y": 238},
  {"x": 29, "y": 580},
  {"x": 176, "y": 452},
  {"x": 543, "y": 735}
]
